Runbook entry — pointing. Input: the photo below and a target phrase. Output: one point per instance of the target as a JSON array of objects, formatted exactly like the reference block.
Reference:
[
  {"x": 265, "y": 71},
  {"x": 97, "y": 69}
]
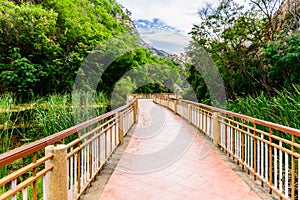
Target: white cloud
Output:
[{"x": 181, "y": 14}]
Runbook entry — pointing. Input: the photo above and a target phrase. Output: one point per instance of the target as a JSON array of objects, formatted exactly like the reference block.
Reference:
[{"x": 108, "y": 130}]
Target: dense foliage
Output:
[
  {"x": 281, "y": 109},
  {"x": 256, "y": 48},
  {"x": 44, "y": 43}
]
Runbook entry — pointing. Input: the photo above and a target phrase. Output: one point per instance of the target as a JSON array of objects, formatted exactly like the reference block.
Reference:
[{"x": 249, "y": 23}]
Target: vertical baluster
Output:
[
  {"x": 262, "y": 157},
  {"x": 231, "y": 140},
  {"x": 293, "y": 185},
  {"x": 198, "y": 117},
  {"x": 267, "y": 162},
  {"x": 111, "y": 138},
  {"x": 251, "y": 153},
  {"x": 271, "y": 177},
  {"x": 280, "y": 167},
  {"x": 93, "y": 154},
  {"x": 96, "y": 152},
  {"x": 275, "y": 168},
  {"x": 227, "y": 137},
  {"x": 81, "y": 168},
  {"x": 86, "y": 158},
  {"x": 99, "y": 143},
  {"x": 34, "y": 172},
  {"x": 221, "y": 135},
  {"x": 105, "y": 138},
  {"x": 298, "y": 178},
  {"x": 44, "y": 189},
  {"x": 249, "y": 149},
  {"x": 75, "y": 174},
  {"x": 238, "y": 148},
  {"x": 70, "y": 168},
  {"x": 24, "y": 191},
  {"x": 258, "y": 156},
  {"x": 246, "y": 149},
  {"x": 206, "y": 130},
  {"x": 203, "y": 122},
  {"x": 201, "y": 118},
  {"x": 193, "y": 113},
  {"x": 234, "y": 142},
  {"x": 92, "y": 167},
  {"x": 13, "y": 187},
  {"x": 241, "y": 145},
  {"x": 208, "y": 126},
  {"x": 286, "y": 181},
  {"x": 115, "y": 134},
  {"x": 255, "y": 151}
]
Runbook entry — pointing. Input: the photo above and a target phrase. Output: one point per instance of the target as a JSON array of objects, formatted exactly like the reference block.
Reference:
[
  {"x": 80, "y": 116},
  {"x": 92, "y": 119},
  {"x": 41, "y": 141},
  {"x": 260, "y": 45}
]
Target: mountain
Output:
[{"x": 161, "y": 38}]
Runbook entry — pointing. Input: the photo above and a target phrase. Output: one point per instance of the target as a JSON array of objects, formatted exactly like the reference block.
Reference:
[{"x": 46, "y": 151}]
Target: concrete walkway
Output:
[{"x": 166, "y": 159}]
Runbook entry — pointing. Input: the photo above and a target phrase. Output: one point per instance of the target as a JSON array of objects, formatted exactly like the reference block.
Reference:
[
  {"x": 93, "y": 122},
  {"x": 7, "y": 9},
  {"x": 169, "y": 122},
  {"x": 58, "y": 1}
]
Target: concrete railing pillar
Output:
[
  {"x": 121, "y": 128},
  {"x": 175, "y": 106},
  {"x": 189, "y": 113},
  {"x": 135, "y": 108},
  {"x": 217, "y": 128},
  {"x": 57, "y": 179}
]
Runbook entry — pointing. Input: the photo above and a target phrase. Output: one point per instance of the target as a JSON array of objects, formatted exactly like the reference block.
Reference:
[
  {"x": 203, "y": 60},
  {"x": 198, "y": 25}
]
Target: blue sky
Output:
[{"x": 180, "y": 14}]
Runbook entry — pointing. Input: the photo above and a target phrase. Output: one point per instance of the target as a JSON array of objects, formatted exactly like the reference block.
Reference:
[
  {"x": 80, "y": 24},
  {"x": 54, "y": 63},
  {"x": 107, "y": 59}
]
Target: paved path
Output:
[{"x": 166, "y": 159}]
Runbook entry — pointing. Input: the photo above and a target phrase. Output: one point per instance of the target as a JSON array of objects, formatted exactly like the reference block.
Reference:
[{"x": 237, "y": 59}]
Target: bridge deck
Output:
[{"x": 166, "y": 159}]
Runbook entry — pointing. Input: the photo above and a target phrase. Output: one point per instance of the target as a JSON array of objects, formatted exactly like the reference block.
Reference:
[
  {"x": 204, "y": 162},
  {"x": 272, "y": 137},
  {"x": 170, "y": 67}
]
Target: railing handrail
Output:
[
  {"x": 30, "y": 148},
  {"x": 279, "y": 127},
  {"x": 253, "y": 143},
  {"x": 273, "y": 125}
]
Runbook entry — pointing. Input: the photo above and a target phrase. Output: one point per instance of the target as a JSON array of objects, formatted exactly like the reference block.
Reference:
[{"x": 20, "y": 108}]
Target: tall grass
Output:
[
  {"x": 42, "y": 117},
  {"x": 284, "y": 108}
]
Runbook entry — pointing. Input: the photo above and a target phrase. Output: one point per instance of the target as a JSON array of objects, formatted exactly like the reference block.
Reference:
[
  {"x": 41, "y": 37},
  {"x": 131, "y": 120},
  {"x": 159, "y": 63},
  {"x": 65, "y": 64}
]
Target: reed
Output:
[
  {"x": 281, "y": 109},
  {"x": 42, "y": 117}
]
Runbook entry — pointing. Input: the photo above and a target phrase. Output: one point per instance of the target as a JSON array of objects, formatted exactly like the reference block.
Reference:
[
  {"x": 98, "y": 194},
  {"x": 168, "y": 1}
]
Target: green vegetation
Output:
[
  {"x": 251, "y": 47},
  {"x": 281, "y": 109},
  {"x": 45, "y": 43},
  {"x": 256, "y": 48},
  {"x": 22, "y": 124}
]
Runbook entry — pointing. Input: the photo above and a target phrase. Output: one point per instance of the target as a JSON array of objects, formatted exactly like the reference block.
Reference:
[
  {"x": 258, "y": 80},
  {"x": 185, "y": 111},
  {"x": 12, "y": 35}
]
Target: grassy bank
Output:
[
  {"x": 24, "y": 123},
  {"x": 281, "y": 109}
]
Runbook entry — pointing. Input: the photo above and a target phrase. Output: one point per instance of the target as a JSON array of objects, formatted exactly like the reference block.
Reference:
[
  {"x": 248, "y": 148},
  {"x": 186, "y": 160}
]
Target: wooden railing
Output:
[
  {"x": 63, "y": 165},
  {"x": 269, "y": 151}
]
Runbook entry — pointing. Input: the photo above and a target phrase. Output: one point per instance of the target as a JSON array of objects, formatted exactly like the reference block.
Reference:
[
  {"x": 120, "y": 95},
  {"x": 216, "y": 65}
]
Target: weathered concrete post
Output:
[
  {"x": 57, "y": 179},
  {"x": 135, "y": 108},
  {"x": 121, "y": 128},
  {"x": 217, "y": 128},
  {"x": 189, "y": 113},
  {"x": 168, "y": 102},
  {"x": 175, "y": 106}
]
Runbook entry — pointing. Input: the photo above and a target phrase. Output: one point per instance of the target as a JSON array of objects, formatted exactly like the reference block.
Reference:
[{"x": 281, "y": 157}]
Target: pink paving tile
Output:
[{"x": 190, "y": 175}]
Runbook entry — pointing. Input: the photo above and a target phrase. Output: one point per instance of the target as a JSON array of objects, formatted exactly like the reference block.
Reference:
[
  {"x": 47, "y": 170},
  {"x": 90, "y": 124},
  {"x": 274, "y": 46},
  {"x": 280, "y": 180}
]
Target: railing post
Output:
[
  {"x": 168, "y": 102},
  {"x": 217, "y": 128},
  {"x": 189, "y": 113},
  {"x": 57, "y": 179},
  {"x": 175, "y": 106},
  {"x": 135, "y": 107},
  {"x": 121, "y": 128}
]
